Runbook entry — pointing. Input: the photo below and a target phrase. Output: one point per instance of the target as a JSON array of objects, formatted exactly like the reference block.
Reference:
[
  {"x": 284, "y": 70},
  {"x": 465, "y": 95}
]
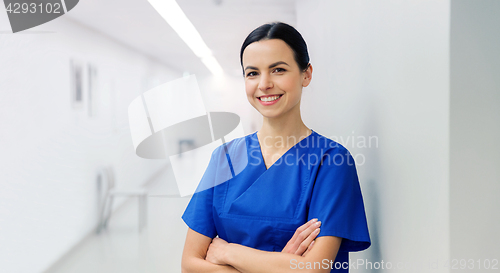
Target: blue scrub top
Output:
[{"x": 261, "y": 208}]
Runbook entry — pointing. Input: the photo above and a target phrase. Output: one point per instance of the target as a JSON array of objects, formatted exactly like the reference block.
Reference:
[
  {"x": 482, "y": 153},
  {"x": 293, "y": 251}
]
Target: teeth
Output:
[{"x": 269, "y": 98}]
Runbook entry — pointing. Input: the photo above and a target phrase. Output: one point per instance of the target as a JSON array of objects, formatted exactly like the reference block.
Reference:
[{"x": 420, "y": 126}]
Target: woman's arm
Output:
[
  {"x": 249, "y": 260},
  {"x": 196, "y": 246},
  {"x": 194, "y": 253}
]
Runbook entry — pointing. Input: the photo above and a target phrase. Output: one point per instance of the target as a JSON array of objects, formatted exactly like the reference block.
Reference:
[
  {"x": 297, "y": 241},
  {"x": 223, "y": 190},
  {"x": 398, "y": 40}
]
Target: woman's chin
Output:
[{"x": 270, "y": 114}]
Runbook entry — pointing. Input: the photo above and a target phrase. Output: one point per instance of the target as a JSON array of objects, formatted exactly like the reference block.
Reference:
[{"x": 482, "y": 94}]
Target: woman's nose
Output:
[{"x": 265, "y": 83}]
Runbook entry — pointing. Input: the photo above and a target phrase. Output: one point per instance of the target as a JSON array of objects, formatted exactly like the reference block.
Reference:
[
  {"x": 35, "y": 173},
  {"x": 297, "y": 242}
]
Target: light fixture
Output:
[
  {"x": 175, "y": 17},
  {"x": 213, "y": 65}
]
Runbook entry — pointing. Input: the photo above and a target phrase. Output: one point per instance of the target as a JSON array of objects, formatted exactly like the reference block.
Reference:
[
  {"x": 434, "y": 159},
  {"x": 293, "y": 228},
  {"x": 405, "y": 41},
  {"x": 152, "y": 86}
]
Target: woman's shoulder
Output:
[
  {"x": 233, "y": 145},
  {"x": 325, "y": 144}
]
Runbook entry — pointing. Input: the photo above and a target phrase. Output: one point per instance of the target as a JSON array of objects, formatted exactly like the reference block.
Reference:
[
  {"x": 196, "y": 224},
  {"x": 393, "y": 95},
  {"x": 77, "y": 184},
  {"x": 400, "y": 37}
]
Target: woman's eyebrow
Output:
[
  {"x": 270, "y": 66},
  {"x": 251, "y": 67},
  {"x": 277, "y": 63}
]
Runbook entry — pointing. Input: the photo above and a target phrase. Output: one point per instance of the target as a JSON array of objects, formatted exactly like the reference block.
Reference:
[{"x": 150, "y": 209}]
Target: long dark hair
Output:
[{"x": 282, "y": 31}]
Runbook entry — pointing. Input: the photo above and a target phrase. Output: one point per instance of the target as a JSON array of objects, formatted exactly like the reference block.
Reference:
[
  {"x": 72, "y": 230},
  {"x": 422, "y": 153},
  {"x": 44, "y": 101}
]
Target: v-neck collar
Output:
[{"x": 262, "y": 156}]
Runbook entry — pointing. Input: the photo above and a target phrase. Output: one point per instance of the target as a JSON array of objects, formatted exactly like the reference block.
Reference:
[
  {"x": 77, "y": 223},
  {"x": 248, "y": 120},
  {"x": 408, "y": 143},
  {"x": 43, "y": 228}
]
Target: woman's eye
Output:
[
  {"x": 250, "y": 74},
  {"x": 279, "y": 69}
]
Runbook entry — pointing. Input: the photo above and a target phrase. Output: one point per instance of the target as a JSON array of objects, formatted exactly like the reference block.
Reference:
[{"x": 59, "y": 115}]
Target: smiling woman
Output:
[
  {"x": 275, "y": 217},
  {"x": 271, "y": 76}
]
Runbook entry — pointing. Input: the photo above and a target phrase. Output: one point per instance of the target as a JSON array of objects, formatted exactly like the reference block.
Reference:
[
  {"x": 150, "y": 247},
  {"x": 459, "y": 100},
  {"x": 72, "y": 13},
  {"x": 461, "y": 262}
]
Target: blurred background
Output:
[{"x": 411, "y": 88}]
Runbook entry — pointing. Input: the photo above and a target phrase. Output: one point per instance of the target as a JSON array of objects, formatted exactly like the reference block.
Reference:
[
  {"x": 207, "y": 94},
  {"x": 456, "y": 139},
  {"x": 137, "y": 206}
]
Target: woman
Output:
[{"x": 267, "y": 217}]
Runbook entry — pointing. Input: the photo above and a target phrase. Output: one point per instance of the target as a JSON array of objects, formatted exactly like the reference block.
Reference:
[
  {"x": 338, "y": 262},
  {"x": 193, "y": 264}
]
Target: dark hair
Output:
[{"x": 282, "y": 31}]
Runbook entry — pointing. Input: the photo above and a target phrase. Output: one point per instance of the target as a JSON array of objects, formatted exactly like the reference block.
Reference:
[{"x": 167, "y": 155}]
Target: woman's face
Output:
[{"x": 271, "y": 70}]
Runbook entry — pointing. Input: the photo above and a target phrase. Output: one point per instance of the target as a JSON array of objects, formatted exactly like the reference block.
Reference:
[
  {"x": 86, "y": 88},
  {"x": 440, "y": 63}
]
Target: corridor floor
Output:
[{"x": 122, "y": 248}]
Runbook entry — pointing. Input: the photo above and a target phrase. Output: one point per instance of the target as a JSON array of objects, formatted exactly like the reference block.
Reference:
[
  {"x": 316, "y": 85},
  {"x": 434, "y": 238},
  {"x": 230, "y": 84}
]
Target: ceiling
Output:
[{"x": 223, "y": 25}]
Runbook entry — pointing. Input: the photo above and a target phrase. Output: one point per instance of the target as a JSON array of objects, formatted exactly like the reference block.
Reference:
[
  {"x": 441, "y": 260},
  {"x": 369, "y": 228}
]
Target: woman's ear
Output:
[{"x": 307, "y": 76}]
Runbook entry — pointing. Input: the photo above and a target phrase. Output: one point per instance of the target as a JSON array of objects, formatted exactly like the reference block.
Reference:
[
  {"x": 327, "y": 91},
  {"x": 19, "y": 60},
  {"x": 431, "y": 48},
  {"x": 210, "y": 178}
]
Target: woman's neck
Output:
[{"x": 283, "y": 132}]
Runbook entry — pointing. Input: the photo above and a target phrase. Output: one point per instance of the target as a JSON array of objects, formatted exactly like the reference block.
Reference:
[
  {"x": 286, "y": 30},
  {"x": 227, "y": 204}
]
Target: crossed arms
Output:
[{"x": 204, "y": 254}]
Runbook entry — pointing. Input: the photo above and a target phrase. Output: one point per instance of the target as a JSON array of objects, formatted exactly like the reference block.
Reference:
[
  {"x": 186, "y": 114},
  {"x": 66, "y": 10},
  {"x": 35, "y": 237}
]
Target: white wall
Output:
[
  {"x": 475, "y": 131},
  {"x": 381, "y": 68},
  {"x": 50, "y": 152}
]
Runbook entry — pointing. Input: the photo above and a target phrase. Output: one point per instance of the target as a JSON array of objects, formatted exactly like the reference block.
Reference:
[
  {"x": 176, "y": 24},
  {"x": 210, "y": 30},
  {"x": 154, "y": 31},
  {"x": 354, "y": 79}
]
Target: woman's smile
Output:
[{"x": 269, "y": 99}]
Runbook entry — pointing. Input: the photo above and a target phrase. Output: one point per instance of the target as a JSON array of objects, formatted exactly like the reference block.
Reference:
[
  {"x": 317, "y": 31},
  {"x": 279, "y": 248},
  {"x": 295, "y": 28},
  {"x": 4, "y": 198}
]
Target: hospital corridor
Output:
[{"x": 131, "y": 130}]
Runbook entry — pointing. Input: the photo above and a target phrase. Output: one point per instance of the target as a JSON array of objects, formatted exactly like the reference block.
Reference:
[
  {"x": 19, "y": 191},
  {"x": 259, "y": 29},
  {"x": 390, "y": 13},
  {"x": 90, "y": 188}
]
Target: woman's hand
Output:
[
  {"x": 300, "y": 243},
  {"x": 216, "y": 251},
  {"x": 303, "y": 238}
]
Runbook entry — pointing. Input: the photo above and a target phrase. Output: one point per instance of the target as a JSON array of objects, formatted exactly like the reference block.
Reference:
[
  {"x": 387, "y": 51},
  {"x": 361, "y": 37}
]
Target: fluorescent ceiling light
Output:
[
  {"x": 175, "y": 17},
  {"x": 213, "y": 65}
]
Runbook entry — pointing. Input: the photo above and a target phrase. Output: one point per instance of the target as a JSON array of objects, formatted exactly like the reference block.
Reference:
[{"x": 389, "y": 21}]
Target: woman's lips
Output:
[{"x": 270, "y": 102}]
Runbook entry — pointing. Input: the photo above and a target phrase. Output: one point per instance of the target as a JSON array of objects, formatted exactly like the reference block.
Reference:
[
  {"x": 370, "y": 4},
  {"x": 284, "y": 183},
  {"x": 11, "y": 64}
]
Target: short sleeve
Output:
[
  {"x": 337, "y": 201},
  {"x": 199, "y": 212}
]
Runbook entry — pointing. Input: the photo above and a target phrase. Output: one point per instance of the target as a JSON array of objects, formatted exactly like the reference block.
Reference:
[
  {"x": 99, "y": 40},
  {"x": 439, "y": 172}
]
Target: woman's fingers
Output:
[
  {"x": 299, "y": 236},
  {"x": 309, "y": 235},
  {"x": 308, "y": 248}
]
